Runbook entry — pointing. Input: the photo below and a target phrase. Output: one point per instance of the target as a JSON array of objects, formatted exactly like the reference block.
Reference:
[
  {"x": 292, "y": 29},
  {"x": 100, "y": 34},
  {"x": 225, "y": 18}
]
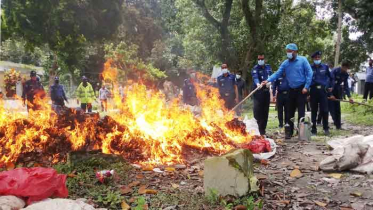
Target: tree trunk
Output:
[
  {"x": 339, "y": 35},
  {"x": 53, "y": 71}
]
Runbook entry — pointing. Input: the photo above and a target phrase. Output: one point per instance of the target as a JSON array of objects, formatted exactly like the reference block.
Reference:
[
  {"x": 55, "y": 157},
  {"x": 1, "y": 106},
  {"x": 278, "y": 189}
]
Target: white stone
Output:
[
  {"x": 229, "y": 174},
  {"x": 60, "y": 204},
  {"x": 11, "y": 203}
]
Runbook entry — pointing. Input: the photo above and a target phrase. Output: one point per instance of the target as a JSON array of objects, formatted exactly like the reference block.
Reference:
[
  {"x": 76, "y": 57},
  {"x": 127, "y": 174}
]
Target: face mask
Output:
[
  {"x": 224, "y": 71},
  {"x": 238, "y": 76},
  {"x": 261, "y": 62},
  {"x": 289, "y": 55},
  {"x": 317, "y": 62}
]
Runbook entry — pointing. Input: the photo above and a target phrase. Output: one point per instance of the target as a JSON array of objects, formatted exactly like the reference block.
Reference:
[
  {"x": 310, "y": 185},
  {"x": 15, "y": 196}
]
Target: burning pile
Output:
[{"x": 145, "y": 130}]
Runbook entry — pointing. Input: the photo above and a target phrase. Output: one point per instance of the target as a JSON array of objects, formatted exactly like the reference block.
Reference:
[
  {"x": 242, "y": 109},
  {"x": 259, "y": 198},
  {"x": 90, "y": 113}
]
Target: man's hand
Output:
[
  {"x": 332, "y": 98},
  {"x": 264, "y": 83},
  {"x": 274, "y": 98},
  {"x": 351, "y": 100},
  {"x": 330, "y": 90},
  {"x": 304, "y": 91}
]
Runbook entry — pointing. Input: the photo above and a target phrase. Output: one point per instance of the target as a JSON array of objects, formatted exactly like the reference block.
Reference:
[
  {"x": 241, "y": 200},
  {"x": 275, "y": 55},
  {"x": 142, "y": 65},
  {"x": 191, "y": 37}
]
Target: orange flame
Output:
[{"x": 145, "y": 128}]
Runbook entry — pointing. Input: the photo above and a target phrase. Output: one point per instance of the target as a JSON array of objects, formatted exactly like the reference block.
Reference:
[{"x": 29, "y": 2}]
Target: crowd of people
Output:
[{"x": 294, "y": 85}]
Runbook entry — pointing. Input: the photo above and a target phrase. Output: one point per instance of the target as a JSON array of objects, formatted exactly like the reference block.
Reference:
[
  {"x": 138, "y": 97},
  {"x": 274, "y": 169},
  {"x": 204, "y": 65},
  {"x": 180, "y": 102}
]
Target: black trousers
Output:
[
  {"x": 261, "y": 109},
  {"x": 297, "y": 100},
  {"x": 229, "y": 101},
  {"x": 335, "y": 108},
  {"x": 319, "y": 99},
  {"x": 86, "y": 106},
  {"x": 281, "y": 104},
  {"x": 319, "y": 116},
  {"x": 368, "y": 89}
]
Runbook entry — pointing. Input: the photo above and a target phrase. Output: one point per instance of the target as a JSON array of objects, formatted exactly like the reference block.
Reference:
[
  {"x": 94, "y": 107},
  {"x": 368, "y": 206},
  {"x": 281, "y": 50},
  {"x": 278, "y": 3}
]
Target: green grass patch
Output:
[
  {"x": 358, "y": 114},
  {"x": 82, "y": 181}
]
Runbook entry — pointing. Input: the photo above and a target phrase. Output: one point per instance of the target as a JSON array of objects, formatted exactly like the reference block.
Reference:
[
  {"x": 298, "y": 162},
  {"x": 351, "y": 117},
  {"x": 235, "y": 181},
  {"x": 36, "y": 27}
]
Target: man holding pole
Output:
[
  {"x": 262, "y": 97},
  {"x": 299, "y": 75},
  {"x": 339, "y": 75}
]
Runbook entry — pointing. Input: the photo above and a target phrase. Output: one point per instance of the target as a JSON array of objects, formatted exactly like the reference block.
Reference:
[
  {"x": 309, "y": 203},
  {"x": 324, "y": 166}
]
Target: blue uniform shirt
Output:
[
  {"x": 226, "y": 85},
  {"x": 281, "y": 84},
  {"x": 369, "y": 74},
  {"x": 57, "y": 92},
  {"x": 260, "y": 74},
  {"x": 189, "y": 90},
  {"x": 321, "y": 76},
  {"x": 298, "y": 72},
  {"x": 340, "y": 77}
]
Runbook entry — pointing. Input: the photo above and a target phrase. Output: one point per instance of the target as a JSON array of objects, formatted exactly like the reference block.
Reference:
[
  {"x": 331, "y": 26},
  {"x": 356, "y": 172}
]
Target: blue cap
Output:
[
  {"x": 316, "y": 54},
  {"x": 292, "y": 46}
]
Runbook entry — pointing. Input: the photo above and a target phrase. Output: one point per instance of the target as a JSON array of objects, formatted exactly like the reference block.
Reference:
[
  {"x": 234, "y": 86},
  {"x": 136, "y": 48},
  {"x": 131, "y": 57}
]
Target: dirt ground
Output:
[{"x": 314, "y": 189}]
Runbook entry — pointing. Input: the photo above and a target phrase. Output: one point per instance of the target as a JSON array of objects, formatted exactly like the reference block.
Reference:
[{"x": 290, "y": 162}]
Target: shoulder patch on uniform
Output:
[{"x": 254, "y": 71}]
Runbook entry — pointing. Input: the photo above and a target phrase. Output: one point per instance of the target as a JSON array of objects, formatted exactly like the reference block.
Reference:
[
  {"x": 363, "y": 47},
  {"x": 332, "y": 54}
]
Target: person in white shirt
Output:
[{"x": 103, "y": 95}]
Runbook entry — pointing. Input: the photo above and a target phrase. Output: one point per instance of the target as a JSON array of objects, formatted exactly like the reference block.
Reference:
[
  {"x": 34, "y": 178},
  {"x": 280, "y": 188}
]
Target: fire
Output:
[{"x": 145, "y": 129}]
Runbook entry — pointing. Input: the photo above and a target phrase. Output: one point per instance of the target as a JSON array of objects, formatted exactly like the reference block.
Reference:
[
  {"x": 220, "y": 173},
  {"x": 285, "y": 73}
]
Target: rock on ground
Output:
[
  {"x": 11, "y": 203},
  {"x": 60, "y": 204},
  {"x": 229, "y": 174}
]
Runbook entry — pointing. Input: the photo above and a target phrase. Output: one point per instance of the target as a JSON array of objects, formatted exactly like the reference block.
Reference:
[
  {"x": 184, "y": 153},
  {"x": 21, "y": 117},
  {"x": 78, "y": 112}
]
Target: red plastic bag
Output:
[
  {"x": 35, "y": 184},
  {"x": 258, "y": 146}
]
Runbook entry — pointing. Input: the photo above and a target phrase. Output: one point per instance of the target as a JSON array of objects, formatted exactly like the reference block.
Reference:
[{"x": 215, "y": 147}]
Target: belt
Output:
[{"x": 284, "y": 92}]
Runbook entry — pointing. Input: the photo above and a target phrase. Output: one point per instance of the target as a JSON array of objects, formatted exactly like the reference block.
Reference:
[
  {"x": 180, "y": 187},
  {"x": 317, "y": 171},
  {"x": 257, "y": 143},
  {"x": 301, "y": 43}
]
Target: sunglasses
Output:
[{"x": 260, "y": 59}]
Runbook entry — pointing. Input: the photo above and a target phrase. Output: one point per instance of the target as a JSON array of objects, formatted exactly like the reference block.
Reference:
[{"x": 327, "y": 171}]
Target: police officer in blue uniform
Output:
[
  {"x": 227, "y": 87},
  {"x": 321, "y": 87},
  {"x": 189, "y": 91},
  {"x": 280, "y": 90},
  {"x": 299, "y": 75},
  {"x": 339, "y": 75},
  {"x": 262, "y": 97},
  {"x": 241, "y": 89},
  {"x": 33, "y": 90},
  {"x": 57, "y": 93}
]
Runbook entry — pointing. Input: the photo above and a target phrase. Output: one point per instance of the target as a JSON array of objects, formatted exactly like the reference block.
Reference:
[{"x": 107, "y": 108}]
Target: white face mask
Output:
[
  {"x": 289, "y": 55},
  {"x": 224, "y": 71},
  {"x": 261, "y": 62},
  {"x": 238, "y": 76}
]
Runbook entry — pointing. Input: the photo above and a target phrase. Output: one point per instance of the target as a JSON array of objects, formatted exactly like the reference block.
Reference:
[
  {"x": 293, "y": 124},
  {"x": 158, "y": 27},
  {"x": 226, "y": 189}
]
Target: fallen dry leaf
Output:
[
  {"x": 125, "y": 206},
  {"x": 335, "y": 175},
  {"x": 125, "y": 190},
  {"x": 134, "y": 184},
  {"x": 264, "y": 162},
  {"x": 170, "y": 169},
  {"x": 240, "y": 207},
  {"x": 320, "y": 203},
  {"x": 261, "y": 176},
  {"x": 175, "y": 186},
  {"x": 132, "y": 200},
  {"x": 147, "y": 168},
  {"x": 145, "y": 207},
  {"x": 139, "y": 176},
  {"x": 10, "y": 166},
  {"x": 287, "y": 202},
  {"x": 37, "y": 165},
  {"x": 296, "y": 173},
  {"x": 345, "y": 208},
  {"x": 356, "y": 194},
  {"x": 71, "y": 175},
  {"x": 143, "y": 190}
]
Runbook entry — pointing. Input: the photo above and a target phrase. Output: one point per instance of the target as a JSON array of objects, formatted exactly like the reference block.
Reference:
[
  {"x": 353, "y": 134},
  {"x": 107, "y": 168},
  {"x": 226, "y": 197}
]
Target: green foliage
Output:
[
  {"x": 125, "y": 59},
  {"x": 213, "y": 196},
  {"x": 359, "y": 115},
  {"x": 140, "y": 202}
]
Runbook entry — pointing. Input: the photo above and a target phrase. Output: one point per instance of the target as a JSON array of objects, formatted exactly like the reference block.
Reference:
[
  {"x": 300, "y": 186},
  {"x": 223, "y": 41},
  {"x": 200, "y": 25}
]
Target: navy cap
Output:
[
  {"x": 33, "y": 74},
  {"x": 56, "y": 78},
  {"x": 316, "y": 54}
]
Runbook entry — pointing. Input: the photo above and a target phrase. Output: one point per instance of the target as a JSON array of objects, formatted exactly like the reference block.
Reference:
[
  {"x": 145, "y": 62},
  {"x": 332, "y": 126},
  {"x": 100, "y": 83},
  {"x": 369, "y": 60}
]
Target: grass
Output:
[
  {"x": 82, "y": 181},
  {"x": 358, "y": 114}
]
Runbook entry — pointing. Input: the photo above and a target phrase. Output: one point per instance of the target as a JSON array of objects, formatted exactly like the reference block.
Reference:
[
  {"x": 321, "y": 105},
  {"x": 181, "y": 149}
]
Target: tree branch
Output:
[
  {"x": 202, "y": 5},
  {"x": 248, "y": 15},
  {"x": 227, "y": 12}
]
